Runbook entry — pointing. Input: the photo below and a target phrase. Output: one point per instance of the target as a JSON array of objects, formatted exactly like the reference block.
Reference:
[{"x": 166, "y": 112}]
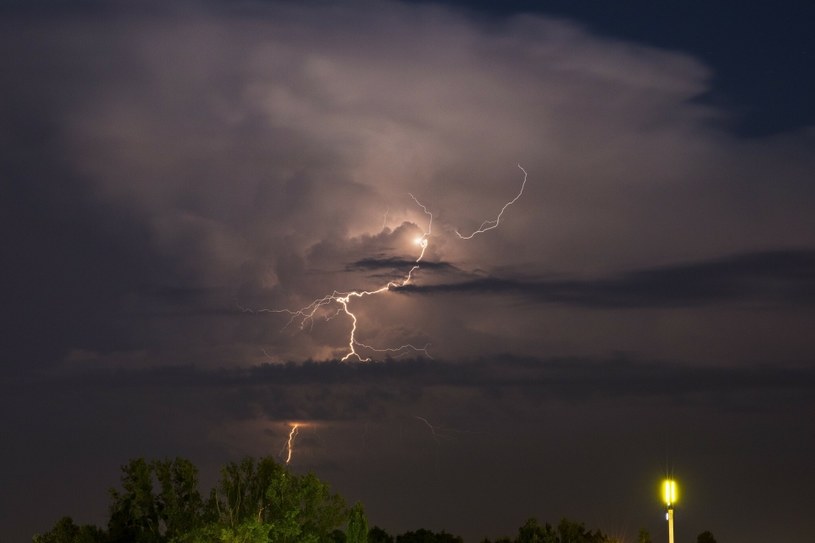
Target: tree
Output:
[
  {"x": 242, "y": 491},
  {"x": 378, "y": 535},
  {"x": 248, "y": 531},
  {"x": 179, "y": 504},
  {"x": 255, "y": 502},
  {"x": 159, "y": 502},
  {"x": 357, "y": 525},
  {"x": 426, "y": 536},
  {"x": 260, "y": 501},
  {"x": 294, "y": 509},
  {"x": 531, "y": 532},
  {"x": 644, "y": 537},
  {"x": 705, "y": 537},
  {"x": 133, "y": 514},
  {"x": 321, "y": 511},
  {"x": 575, "y": 532},
  {"x": 65, "y": 531}
]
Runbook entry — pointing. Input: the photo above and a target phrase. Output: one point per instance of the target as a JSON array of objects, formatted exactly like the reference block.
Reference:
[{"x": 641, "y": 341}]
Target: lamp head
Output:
[{"x": 669, "y": 492}]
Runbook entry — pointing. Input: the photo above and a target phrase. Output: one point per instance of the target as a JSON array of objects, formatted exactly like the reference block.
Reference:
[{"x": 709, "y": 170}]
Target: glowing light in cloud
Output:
[{"x": 307, "y": 314}]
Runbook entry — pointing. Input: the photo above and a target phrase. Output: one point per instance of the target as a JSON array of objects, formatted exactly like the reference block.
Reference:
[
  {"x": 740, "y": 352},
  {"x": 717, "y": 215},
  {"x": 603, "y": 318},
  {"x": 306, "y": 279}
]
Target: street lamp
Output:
[{"x": 669, "y": 497}]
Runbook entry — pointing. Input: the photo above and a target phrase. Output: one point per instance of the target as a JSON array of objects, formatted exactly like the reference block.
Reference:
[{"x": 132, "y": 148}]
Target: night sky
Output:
[{"x": 170, "y": 174}]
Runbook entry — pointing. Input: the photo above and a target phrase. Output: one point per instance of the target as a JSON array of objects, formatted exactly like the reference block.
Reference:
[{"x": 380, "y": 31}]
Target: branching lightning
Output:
[
  {"x": 305, "y": 316},
  {"x": 493, "y": 223}
]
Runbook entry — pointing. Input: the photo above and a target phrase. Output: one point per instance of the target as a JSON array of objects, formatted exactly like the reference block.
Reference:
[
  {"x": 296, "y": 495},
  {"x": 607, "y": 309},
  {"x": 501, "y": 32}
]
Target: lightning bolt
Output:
[
  {"x": 290, "y": 442},
  {"x": 493, "y": 223},
  {"x": 307, "y": 314},
  {"x": 430, "y": 426},
  {"x": 439, "y": 432}
]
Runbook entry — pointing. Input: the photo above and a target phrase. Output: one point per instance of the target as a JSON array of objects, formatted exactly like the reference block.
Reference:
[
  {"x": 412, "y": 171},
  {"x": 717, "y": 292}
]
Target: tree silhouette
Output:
[
  {"x": 427, "y": 536},
  {"x": 378, "y": 535},
  {"x": 65, "y": 531},
  {"x": 357, "y": 525},
  {"x": 260, "y": 501},
  {"x": 567, "y": 531},
  {"x": 255, "y": 502}
]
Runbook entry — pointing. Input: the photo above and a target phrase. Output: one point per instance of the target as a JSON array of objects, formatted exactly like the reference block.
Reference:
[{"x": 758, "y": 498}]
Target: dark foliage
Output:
[
  {"x": 260, "y": 501},
  {"x": 426, "y": 536},
  {"x": 255, "y": 502},
  {"x": 567, "y": 531}
]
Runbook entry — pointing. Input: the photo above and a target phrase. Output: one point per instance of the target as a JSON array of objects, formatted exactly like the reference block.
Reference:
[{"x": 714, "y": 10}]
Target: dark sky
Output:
[{"x": 173, "y": 180}]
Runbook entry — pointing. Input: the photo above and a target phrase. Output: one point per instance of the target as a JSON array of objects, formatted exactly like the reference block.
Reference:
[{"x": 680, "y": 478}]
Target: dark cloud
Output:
[
  {"x": 397, "y": 264},
  {"x": 775, "y": 277},
  {"x": 572, "y": 379}
]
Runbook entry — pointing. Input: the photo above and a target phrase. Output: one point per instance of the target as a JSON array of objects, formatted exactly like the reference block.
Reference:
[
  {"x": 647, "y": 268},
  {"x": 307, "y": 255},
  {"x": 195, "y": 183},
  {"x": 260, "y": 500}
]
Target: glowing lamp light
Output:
[
  {"x": 669, "y": 492},
  {"x": 669, "y": 497}
]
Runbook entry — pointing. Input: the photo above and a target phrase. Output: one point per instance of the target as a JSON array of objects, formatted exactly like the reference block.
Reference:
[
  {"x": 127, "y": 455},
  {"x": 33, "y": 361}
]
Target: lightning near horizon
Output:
[{"x": 290, "y": 442}]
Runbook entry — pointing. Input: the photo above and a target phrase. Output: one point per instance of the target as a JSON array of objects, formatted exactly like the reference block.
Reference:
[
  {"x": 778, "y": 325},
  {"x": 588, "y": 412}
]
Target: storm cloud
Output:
[
  {"x": 178, "y": 181},
  {"x": 258, "y": 154},
  {"x": 783, "y": 277}
]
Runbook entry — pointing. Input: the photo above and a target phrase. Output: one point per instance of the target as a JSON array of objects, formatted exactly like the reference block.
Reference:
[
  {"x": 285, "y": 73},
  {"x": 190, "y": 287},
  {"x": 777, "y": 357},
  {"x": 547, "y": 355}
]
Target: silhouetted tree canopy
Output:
[
  {"x": 426, "y": 536},
  {"x": 255, "y": 502},
  {"x": 357, "y": 531},
  {"x": 567, "y": 531},
  {"x": 260, "y": 501},
  {"x": 378, "y": 535},
  {"x": 65, "y": 531},
  {"x": 705, "y": 537}
]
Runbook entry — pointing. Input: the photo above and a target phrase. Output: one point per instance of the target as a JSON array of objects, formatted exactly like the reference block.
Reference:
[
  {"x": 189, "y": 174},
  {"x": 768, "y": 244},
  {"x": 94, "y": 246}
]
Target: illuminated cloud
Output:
[
  {"x": 166, "y": 167},
  {"x": 257, "y": 155}
]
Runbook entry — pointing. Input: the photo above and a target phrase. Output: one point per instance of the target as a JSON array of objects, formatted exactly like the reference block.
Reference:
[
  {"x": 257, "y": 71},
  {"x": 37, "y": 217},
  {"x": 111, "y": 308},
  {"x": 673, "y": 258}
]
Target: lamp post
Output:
[{"x": 669, "y": 497}]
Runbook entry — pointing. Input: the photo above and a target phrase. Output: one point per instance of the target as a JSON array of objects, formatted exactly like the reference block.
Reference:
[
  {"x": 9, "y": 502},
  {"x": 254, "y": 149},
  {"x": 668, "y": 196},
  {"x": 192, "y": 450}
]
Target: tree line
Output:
[
  {"x": 256, "y": 501},
  {"x": 259, "y": 501}
]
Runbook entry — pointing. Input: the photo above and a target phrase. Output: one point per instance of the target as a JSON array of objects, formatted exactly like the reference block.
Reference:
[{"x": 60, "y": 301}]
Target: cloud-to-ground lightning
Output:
[
  {"x": 493, "y": 223},
  {"x": 290, "y": 442}
]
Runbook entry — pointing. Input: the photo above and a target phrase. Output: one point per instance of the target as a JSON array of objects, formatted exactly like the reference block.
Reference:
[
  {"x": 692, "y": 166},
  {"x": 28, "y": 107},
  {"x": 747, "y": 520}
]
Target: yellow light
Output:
[{"x": 669, "y": 492}]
